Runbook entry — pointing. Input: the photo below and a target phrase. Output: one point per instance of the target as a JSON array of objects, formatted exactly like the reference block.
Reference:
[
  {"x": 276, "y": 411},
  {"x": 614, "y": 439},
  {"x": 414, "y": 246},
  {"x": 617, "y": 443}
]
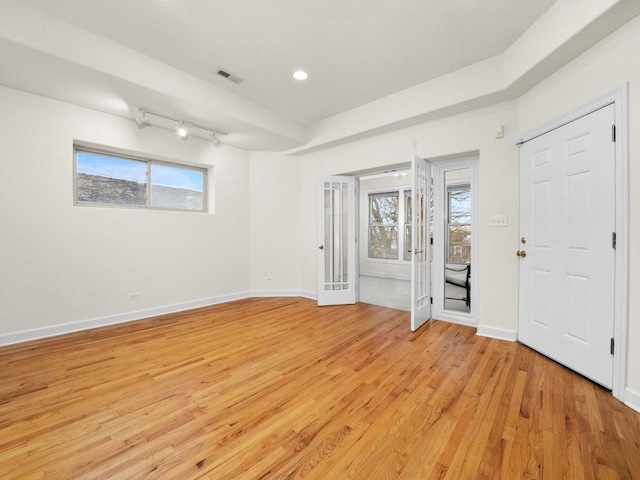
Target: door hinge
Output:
[
  {"x": 431, "y": 300},
  {"x": 612, "y": 345},
  {"x": 613, "y": 133},
  {"x": 614, "y": 240}
]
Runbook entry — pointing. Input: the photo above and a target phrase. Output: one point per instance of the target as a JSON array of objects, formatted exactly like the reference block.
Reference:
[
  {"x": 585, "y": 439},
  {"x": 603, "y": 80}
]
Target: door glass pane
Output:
[
  {"x": 407, "y": 243},
  {"x": 336, "y": 259},
  {"x": 457, "y": 228},
  {"x": 344, "y": 216},
  {"x": 328, "y": 235}
]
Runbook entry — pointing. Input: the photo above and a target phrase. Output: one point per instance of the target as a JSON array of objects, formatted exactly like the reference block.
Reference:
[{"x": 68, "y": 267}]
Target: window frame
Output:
[
  {"x": 401, "y": 191},
  {"x": 149, "y": 161}
]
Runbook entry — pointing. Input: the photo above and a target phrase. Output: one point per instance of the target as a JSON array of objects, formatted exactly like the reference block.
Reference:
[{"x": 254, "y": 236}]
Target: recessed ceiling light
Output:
[{"x": 300, "y": 75}]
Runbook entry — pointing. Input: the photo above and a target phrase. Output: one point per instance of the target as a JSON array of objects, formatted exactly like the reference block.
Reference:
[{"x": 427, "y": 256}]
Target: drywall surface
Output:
[
  {"x": 64, "y": 263},
  {"x": 274, "y": 193}
]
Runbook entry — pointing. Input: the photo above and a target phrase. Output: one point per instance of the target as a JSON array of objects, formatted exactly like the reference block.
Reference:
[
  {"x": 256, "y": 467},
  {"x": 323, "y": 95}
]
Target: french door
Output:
[
  {"x": 336, "y": 240},
  {"x": 420, "y": 243},
  {"x": 567, "y": 245}
]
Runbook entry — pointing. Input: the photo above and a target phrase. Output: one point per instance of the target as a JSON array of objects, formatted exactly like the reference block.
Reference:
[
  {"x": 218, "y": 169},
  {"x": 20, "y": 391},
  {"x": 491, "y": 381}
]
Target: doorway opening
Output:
[
  {"x": 385, "y": 236},
  {"x": 384, "y": 230}
]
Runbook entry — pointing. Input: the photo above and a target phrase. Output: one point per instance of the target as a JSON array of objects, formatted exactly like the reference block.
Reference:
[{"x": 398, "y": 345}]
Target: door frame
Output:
[
  {"x": 619, "y": 98},
  {"x": 342, "y": 296},
  {"x": 439, "y": 168}
]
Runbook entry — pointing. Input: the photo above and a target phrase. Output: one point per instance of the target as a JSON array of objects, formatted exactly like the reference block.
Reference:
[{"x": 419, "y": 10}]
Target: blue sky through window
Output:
[
  {"x": 176, "y": 177},
  {"x": 136, "y": 171}
]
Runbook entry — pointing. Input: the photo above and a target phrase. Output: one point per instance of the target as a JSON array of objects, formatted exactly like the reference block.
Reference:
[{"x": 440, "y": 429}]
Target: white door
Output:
[
  {"x": 336, "y": 240},
  {"x": 420, "y": 243},
  {"x": 567, "y": 225}
]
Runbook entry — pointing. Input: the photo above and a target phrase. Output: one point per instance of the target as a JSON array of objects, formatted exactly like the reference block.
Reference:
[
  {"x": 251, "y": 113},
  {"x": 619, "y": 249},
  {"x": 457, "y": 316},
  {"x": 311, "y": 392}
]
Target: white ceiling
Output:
[
  {"x": 355, "y": 51},
  {"x": 117, "y": 55}
]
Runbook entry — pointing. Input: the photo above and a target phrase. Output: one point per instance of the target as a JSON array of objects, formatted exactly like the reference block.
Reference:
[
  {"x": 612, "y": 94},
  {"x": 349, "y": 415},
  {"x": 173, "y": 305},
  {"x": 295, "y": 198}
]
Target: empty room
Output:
[{"x": 327, "y": 240}]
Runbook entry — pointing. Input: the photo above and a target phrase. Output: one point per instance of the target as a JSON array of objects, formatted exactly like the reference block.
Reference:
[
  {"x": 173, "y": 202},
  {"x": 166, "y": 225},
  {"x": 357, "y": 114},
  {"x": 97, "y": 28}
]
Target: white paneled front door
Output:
[{"x": 567, "y": 246}]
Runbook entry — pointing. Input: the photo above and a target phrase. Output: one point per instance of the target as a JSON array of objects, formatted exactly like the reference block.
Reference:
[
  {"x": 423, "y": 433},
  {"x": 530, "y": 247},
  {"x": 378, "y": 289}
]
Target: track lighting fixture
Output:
[
  {"x": 184, "y": 128},
  {"x": 183, "y": 133},
  {"x": 141, "y": 120}
]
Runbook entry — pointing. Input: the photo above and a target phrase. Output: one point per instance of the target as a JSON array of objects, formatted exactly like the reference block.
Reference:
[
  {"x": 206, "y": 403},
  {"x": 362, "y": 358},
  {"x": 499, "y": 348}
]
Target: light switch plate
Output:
[{"x": 498, "y": 221}]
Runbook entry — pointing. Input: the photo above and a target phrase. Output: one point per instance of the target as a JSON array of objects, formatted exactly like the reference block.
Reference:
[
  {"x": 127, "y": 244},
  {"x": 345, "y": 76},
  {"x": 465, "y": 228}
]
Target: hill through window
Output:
[{"x": 107, "y": 179}]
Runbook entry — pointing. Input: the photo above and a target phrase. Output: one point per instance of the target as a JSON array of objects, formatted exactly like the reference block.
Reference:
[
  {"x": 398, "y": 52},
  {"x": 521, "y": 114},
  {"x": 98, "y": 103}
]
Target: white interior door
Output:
[
  {"x": 336, "y": 240},
  {"x": 420, "y": 243},
  {"x": 567, "y": 225}
]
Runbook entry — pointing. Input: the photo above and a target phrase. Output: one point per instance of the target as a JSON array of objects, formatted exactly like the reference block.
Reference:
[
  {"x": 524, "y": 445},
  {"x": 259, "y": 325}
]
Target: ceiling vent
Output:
[{"x": 230, "y": 76}]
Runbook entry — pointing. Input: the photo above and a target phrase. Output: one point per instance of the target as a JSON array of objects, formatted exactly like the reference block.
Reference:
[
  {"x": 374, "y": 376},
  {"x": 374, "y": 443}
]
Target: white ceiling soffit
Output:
[
  {"x": 115, "y": 56},
  {"x": 565, "y": 31}
]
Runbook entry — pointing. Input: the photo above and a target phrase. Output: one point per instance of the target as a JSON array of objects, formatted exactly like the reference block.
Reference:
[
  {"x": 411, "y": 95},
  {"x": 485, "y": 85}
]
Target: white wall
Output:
[
  {"x": 599, "y": 70},
  {"x": 274, "y": 192},
  {"x": 62, "y": 263}
]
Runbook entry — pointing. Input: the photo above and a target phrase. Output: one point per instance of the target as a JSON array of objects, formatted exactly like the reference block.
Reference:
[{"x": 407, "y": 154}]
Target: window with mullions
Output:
[
  {"x": 459, "y": 223},
  {"x": 390, "y": 225},
  {"x": 103, "y": 178}
]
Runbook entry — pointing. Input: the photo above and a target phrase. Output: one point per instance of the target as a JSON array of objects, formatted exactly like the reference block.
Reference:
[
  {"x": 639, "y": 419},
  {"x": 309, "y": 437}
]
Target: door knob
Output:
[
  {"x": 321, "y": 247},
  {"x": 521, "y": 253}
]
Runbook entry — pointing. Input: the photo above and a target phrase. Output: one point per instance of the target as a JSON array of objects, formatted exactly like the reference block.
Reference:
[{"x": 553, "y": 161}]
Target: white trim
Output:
[
  {"x": 394, "y": 276},
  {"x": 450, "y": 317},
  {"x": 64, "y": 328},
  {"x": 309, "y": 295},
  {"x": 632, "y": 399},
  {"x": 277, "y": 293},
  {"x": 613, "y": 96},
  {"x": 621, "y": 316},
  {"x": 620, "y": 99},
  {"x": 440, "y": 206},
  {"x": 497, "y": 333}
]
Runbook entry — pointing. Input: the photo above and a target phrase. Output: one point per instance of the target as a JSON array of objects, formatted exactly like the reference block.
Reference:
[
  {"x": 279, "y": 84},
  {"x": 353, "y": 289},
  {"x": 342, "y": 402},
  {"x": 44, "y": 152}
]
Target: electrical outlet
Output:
[
  {"x": 134, "y": 296},
  {"x": 498, "y": 221},
  {"x": 268, "y": 279}
]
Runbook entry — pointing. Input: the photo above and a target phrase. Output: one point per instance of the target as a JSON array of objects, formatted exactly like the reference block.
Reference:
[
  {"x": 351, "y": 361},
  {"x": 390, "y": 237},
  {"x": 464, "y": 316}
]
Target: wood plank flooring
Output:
[{"x": 282, "y": 389}]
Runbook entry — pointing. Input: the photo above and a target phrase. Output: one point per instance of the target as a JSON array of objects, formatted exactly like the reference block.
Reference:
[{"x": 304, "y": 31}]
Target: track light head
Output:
[
  {"x": 141, "y": 120},
  {"x": 183, "y": 133}
]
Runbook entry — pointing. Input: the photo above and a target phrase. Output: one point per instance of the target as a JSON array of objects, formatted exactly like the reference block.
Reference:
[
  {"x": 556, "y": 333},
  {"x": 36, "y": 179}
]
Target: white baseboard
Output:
[
  {"x": 499, "y": 333},
  {"x": 277, "y": 293},
  {"x": 54, "y": 330},
  {"x": 309, "y": 295},
  {"x": 394, "y": 276},
  {"x": 632, "y": 399}
]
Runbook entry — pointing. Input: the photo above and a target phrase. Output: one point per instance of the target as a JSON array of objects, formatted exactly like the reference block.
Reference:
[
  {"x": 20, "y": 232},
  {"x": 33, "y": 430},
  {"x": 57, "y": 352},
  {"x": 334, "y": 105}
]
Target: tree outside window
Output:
[{"x": 459, "y": 223}]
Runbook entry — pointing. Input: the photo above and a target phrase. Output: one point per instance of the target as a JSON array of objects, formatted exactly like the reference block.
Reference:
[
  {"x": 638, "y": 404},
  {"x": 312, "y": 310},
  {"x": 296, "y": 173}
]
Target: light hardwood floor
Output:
[{"x": 279, "y": 388}]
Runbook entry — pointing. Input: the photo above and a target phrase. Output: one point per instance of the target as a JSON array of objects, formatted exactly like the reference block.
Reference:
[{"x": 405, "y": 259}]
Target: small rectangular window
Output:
[
  {"x": 103, "y": 178},
  {"x": 383, "y": 225}
]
